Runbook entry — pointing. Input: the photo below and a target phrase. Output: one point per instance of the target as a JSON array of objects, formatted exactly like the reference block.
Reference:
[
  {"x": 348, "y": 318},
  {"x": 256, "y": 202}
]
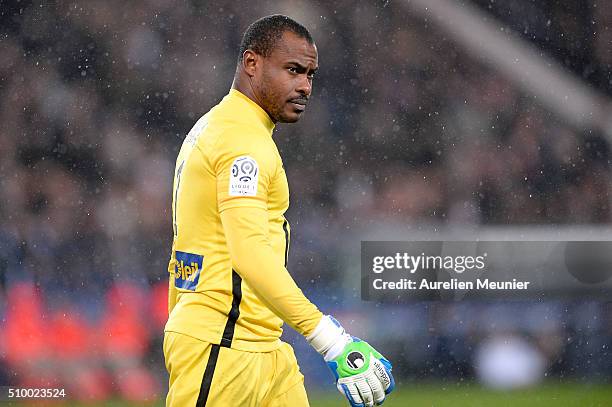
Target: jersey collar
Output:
[{"x": 255, "y": 108}]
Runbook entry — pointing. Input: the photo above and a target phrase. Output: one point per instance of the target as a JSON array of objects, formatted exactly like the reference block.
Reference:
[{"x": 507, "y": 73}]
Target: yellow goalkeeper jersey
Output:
[{"x": 230, "y": 184}]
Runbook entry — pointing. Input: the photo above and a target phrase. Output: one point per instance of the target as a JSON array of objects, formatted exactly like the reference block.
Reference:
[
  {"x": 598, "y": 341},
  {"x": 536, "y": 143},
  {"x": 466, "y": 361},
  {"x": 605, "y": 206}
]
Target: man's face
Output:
[{"x": 284, "y": 83}]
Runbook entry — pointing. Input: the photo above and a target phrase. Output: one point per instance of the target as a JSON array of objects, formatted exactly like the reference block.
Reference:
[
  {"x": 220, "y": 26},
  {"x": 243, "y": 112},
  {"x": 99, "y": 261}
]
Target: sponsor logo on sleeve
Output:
[
  {"x": 187, "y": 270},
  {"x": 243, "y": 179}
]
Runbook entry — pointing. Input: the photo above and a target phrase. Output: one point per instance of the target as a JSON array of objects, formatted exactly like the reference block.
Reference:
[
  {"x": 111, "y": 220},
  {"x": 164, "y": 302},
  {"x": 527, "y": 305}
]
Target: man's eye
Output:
[
  {"x": 293, "y": 69},
  {"x": 311, "y": 75}
]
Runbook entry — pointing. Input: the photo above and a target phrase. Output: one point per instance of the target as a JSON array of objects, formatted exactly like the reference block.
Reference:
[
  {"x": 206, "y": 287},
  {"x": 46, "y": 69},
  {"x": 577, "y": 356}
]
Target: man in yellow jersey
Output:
[{"x": 230, "y": 290}]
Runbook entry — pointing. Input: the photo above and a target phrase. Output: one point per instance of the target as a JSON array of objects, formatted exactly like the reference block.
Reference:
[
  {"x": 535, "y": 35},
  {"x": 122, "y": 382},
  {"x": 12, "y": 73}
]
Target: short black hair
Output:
[{"x": 262, "y": 35}]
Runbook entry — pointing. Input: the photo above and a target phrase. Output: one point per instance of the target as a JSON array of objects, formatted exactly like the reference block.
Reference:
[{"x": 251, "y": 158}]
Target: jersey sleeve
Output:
[
  {"x": 253, "y": 259},
  {"x": 244, "y": 168}
]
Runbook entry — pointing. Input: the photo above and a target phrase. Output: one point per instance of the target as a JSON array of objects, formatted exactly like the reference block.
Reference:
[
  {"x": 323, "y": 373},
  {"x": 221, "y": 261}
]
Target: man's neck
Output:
[{"x": 243, "y": 85}]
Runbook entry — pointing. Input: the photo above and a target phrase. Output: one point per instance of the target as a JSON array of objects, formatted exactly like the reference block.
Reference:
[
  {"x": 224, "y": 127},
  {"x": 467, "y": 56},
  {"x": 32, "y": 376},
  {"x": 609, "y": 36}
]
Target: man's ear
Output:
[{"x": 250, "y": 62}]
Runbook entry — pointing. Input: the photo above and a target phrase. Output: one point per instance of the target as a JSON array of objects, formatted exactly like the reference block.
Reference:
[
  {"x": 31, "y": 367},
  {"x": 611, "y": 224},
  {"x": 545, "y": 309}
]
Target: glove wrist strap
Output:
[{"x": 328, "y": 338}]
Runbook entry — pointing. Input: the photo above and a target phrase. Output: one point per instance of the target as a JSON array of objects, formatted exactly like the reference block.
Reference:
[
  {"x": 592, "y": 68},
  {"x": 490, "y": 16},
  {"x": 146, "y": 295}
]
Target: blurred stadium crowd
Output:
[{"x": 404, "y": 126}]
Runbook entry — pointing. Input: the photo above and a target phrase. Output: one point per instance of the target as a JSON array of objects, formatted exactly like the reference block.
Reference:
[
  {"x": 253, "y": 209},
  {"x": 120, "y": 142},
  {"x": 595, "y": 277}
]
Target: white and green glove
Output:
[{"x": 362, "y": 374}]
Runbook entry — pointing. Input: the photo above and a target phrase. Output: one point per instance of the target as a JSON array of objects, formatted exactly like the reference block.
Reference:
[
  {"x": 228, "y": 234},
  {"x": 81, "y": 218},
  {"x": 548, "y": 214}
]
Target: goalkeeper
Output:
[{"x": 229, "y": 289}]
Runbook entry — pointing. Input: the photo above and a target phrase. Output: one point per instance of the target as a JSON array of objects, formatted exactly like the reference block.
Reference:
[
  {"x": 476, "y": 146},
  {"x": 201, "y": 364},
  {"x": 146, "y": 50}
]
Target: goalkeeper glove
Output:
[{"x": 362, "y": 374}]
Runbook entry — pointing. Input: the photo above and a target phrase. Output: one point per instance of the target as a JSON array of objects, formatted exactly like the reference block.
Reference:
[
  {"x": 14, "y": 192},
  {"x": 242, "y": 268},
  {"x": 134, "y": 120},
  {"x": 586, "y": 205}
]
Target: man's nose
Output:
[{"x": 305, "y": 86}]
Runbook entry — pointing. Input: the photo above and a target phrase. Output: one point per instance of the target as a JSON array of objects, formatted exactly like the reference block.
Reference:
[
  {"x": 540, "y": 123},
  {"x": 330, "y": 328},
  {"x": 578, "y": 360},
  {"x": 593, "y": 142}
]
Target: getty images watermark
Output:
[{"x": 393, "y": 271}]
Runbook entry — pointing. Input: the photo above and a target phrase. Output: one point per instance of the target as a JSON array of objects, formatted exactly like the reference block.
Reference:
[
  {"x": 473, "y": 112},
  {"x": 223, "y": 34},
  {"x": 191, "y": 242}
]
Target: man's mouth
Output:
[{"x": 299, "y": 104}]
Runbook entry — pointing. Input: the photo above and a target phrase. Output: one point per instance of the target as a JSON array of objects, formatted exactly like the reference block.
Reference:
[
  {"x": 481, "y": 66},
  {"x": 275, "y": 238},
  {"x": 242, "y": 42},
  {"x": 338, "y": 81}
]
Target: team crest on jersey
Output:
[
  {"x": 187, "y": 270},
  {"x": 243, "y": 179}
]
